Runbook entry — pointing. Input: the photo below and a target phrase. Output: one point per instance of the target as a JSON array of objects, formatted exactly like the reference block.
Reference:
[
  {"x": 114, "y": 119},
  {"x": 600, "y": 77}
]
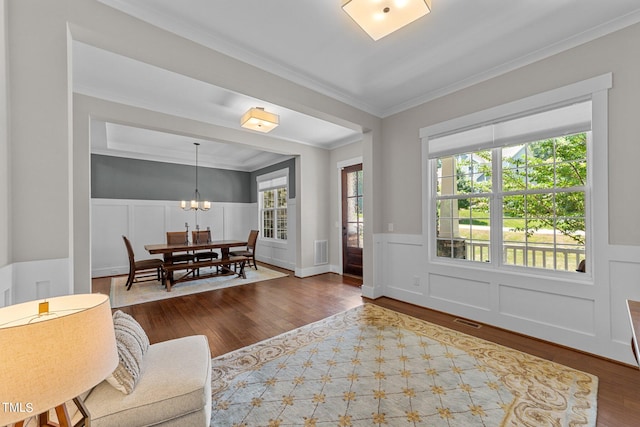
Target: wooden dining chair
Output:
[
  {"x": 203, "y": 236},
  {"x": 142, "y": 268},
  {"x": 250, "y": 251},
  {"x": 178, "y": 238}
]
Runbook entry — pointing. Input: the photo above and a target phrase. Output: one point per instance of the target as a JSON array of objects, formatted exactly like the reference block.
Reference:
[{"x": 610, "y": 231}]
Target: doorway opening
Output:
[{"x": 352, "y": 220}]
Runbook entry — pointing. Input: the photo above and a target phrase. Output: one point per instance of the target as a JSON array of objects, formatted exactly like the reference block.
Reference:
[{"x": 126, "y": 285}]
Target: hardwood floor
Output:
[{"x": 235, "y": 317}]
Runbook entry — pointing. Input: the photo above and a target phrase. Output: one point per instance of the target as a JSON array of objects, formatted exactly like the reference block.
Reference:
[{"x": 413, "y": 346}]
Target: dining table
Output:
[{"x": 168, "y": 250}]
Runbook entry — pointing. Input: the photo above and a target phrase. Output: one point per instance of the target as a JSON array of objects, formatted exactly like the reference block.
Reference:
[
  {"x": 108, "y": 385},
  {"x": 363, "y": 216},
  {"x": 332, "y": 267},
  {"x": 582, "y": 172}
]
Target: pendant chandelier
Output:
[{"x": 196, "y": 204}]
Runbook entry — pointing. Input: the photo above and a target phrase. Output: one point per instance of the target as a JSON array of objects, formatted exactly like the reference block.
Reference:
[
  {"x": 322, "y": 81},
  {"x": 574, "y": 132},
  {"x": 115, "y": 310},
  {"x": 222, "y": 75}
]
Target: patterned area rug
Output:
[
  {"x": 153, "y": 290},
  {"x": 370, "y": 366}
]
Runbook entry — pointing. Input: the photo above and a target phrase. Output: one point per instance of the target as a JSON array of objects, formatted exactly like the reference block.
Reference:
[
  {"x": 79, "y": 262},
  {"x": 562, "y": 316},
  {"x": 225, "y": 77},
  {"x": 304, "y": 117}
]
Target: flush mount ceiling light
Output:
[
  {"x": 260, "y": 120},
  {"x": 379, "y": 18}
]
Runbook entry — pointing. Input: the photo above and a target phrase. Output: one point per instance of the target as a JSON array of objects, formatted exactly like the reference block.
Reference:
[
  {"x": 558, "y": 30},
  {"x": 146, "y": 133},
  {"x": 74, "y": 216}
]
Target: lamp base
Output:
[{"x": 62, "y": 414}]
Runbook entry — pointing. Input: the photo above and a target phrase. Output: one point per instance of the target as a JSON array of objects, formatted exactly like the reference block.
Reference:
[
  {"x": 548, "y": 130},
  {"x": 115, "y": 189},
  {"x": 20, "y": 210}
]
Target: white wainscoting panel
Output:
[
  {"x": 274, "y": 253},
  {"x": 404, "y": 276},
  {"x": 471, "y": 293},
  {"x": 625, "y": 284},
  {"x": 41, "y": 279},
  {"x": 244, "y": 219},
  {"x": 6, "y": 285},
  {"x": 570, "y": 313},
  {"x": 109, "y": 222},
  {"x": 586, "y": 312},
  {"x": 147, "y": 221}
]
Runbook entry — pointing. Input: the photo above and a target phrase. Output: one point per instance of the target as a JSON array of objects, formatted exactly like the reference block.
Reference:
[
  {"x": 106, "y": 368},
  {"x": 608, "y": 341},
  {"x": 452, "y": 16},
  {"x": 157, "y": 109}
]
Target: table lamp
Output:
[{"x": 52, "y": 352}]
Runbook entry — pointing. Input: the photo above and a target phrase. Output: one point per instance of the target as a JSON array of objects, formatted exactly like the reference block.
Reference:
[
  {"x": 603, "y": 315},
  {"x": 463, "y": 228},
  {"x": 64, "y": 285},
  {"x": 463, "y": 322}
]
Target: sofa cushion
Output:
[
  {"x": 176, "y": 383},
  {"x": 132, "y": 343}
]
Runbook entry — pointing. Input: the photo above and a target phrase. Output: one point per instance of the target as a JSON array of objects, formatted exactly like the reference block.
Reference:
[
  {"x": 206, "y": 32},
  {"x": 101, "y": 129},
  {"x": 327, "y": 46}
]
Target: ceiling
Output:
[{"x": 315, "y": 44}]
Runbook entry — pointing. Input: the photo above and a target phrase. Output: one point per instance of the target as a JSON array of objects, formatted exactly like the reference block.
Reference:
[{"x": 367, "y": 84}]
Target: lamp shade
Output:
[
  {"x": 260, "y": 120},
  {"x": 49, "y": 359},
  {"x": 379, "y": 18}
]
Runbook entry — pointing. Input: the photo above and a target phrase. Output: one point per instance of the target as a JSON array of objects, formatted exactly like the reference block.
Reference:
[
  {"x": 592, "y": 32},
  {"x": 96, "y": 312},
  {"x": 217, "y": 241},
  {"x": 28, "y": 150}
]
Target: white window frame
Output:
[
  {"x": 270, "y": 181},
  {"x": 596, "y": 203}
]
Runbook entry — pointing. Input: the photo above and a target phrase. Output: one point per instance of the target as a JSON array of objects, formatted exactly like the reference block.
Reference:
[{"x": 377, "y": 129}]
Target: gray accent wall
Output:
[
  {"x": 122, "y": 178},
  {"x": 291, "y": 164}
]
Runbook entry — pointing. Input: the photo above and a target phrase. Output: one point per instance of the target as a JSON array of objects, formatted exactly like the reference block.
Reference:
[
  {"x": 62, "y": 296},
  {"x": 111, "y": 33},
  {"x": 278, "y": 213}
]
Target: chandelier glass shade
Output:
[
  {"x": 259, "y": 120},
  {"x": 196, "y": 204},
  {"x": 379, "y": 18}
]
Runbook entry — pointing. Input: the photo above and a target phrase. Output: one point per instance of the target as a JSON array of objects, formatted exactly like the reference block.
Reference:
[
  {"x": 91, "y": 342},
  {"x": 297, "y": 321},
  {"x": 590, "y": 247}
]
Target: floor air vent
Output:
[
  {"x": 321, "y": 252},
  {"x": 467, "y": 323}
]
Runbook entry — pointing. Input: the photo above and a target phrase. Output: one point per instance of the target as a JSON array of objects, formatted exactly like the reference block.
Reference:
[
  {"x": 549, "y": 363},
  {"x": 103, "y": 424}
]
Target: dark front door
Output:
[{"x": 352, "y": 220}]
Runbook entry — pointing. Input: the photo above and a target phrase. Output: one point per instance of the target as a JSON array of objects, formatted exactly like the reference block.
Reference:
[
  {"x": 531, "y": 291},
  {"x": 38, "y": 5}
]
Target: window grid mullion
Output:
[{"x": 496, "y": 238}]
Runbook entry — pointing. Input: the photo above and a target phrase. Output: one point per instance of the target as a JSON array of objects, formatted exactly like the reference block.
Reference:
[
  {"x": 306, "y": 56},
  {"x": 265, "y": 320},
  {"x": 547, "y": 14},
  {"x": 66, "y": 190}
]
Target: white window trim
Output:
[
  {"x": 267, "y": 177},
  {"x": 596, "y": 196}
]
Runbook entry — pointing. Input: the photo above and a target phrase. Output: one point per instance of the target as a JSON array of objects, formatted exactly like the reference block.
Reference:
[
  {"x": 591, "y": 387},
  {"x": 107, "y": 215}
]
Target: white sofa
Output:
[{"x": 173, "y": 390}]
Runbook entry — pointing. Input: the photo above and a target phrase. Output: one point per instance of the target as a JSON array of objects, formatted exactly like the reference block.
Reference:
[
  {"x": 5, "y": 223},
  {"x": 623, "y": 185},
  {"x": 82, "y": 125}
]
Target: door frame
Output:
[{"x": 340, "y": 165}]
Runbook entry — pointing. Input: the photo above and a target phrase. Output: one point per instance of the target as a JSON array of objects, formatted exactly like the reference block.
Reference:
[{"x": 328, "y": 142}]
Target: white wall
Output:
[
  {"x": 49, "y": 150},
  {"x": 5, "y": 165},
  {"x": 40, "y": 152},
  {"x": 147, "y": 221},
  {"x": 588, "y": 313},
  {"x": 401, "y": 151}
]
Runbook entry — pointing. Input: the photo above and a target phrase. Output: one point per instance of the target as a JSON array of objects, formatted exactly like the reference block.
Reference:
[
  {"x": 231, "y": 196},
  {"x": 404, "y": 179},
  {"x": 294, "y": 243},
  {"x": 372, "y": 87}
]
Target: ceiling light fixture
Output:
[
  {"x": 379, "y": 18},
  {"x": 196, "y": 204},
  {"x": 260, "y": 120}
]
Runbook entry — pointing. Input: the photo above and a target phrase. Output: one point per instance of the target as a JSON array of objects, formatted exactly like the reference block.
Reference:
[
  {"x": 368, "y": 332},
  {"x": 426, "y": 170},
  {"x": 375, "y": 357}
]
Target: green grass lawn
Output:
[
  {"x": 508, "y": 236},
  {"x": 477, "y": 230}
]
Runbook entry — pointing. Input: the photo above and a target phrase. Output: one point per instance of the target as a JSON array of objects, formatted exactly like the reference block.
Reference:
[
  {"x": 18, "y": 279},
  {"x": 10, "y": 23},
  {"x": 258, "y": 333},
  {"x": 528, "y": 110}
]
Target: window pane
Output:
[
  {"x": 571, "y": 174},
  {"x": 267, "y": 224},
  {"x": 479, "y": 211},
  {"x": 472, "y": 173},
  {"x": 446, "y": 176},
  {"x": 445, "y": 222},
  {"x": 514, "y": 170},
  {"x": 352, "y": 209},
  {"x": 481, "y": 171},
  {"x": 282, "y": 224},
  {"x": 539, "y": 205},
  {"x": 515, "y": 232},
  {"x": 513, "y": 207},
  {"x": 352, "y": 184},
  {"x": 572, "y": 147},
  {"x": 282, "y": 197},
  {"x": 352, "y": 235},
  {"x": 478, "y": 232},
  {"x": 541, "y": 176},
  {"x": 268, "y": 199},
  {"x": 514, "y": 179},
  {"x": 570, "y": 205}
]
